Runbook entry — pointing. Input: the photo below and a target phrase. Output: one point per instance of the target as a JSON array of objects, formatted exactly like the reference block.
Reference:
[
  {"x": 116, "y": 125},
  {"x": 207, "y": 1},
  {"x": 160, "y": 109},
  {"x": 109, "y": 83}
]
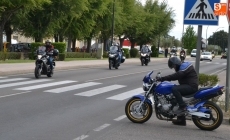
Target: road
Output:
[{"x": 89, "y": 104}]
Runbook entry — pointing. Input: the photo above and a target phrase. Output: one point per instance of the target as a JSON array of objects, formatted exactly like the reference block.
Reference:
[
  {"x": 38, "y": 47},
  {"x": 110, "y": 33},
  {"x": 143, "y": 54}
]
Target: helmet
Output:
[
  {"x": 48, "y": 42},
  {"x": 174, "y": 62}
]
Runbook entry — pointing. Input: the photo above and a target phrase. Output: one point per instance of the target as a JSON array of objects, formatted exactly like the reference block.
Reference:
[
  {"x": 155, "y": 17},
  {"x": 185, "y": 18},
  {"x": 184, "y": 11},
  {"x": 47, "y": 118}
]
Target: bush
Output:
[
  {"x": 33, "y": 48},
  {"x": 126, "y": 52},
  {"x": 155, "y": 52},
  {"x": 10, "y": 55},
  {"x": 61, "y": 57},
  {"x": 105, "y": 54},
  {"x": 207, "y": 80},
  {"x": 61, "y": 46},
  {"x": 127, "y": 55},
  {"x": 133, "y": 52},
  {"x": 79, "y": 55}
]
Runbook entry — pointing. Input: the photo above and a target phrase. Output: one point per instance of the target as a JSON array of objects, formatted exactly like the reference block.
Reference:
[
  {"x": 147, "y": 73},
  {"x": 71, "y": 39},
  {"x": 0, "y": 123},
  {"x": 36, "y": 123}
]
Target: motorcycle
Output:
[
  {"x": 172, "y": 54},
  {"x": 182, "y": 57},
  {"x": 158, "y": 95},
  {"x": 144, "y": 57},
  {"x": 114, "y": 57},
  {"x": 42, "y": 67}
]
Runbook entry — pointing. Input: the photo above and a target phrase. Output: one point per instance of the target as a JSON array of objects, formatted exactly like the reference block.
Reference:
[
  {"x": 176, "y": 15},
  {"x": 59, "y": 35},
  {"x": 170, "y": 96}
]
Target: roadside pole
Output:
[
  {"x": 227, "y": 75},
  {"x": 198, "y": 48}
]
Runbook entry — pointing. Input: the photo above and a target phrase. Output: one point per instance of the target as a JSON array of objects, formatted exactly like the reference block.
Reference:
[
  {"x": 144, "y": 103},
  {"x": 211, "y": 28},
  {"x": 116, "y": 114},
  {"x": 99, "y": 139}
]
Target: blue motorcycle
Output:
[{"x": 158, "y": 95}]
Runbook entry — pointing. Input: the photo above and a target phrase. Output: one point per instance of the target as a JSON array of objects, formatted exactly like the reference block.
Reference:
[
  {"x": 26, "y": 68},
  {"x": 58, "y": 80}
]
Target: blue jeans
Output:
[
  {"x": 50, "y": 61},
  {"x": 120, "y": 56}
]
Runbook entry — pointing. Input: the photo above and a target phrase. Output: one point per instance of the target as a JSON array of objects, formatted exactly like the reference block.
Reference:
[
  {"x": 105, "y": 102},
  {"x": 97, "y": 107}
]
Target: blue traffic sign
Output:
[{"x": 200, "y": 12}]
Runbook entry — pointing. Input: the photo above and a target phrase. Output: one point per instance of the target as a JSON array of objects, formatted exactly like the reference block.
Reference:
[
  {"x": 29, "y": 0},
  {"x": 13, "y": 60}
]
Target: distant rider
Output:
[
  {"x": 49, "y": 50},
  {"x": 188, "y": 80},
  {"x": 144, "y": 48}
]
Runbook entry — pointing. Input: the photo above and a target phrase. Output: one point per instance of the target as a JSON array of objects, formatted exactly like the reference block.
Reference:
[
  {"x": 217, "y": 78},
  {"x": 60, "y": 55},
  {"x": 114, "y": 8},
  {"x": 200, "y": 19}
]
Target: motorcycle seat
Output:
[{"x": 191, "y": 95}]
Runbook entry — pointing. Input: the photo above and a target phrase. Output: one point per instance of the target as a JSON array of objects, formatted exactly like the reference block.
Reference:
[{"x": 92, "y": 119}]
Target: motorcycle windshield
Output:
[
  {"x": 41, "y": 50},
  {"x": 144, "y": 50},
  {"x": 113, "y": 49}
]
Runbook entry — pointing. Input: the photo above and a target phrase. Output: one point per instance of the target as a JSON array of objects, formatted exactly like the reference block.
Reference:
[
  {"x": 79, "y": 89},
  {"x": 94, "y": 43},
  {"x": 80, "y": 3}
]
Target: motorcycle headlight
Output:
[
  {"x": 142, "y": 54},
  {"x": 111, "y": 55},
  {"x": 146, "y": 86},
  {"x": 39, "y": 56}
]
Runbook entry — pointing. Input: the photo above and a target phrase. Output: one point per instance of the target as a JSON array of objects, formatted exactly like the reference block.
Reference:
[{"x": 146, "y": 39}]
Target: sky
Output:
[{"x": 178, "y": 7}]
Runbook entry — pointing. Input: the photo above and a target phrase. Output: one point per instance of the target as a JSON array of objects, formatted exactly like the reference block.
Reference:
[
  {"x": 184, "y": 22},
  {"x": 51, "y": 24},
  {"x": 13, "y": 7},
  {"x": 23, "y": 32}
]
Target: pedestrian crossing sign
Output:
[{"x": 200, "y": 12}]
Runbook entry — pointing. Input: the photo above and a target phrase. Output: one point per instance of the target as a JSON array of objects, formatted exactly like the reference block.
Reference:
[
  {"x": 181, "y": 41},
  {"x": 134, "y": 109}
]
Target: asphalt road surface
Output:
[{"x": 88, "y": 104}]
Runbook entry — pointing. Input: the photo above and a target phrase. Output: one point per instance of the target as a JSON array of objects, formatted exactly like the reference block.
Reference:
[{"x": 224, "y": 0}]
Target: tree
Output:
[
  {"x": 219, "y": 38},
  {"x": 10, "y": 7},
  {"x": 189, "y": 39}
]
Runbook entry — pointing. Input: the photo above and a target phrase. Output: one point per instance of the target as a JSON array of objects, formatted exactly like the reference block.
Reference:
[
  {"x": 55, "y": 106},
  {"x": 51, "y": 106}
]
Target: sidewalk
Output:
[
  {"x": 23, "y": 68},
  {"x": 221, "y": 100}
]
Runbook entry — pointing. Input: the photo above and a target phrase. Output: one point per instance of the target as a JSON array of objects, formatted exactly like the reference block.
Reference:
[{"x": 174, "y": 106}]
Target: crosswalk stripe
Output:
[
  {"x": 224, "y": 64},
  {"x": 126, "y": 95},
  {"x": 3, "y": 77},
  {"x": 100, "y": 90},
  {"x": 24, "y": 83},
  {"x": 14, "y": 79},
  {"x": 73, "y": 87},
  {"x": 45, "y": 85}
]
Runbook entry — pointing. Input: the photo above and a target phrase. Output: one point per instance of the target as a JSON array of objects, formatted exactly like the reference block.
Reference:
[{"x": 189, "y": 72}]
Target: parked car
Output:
[
  {"x": 193, "y": 53},
  {"x": 224, "y": 56},
  {"x": 206, "y": 56}
]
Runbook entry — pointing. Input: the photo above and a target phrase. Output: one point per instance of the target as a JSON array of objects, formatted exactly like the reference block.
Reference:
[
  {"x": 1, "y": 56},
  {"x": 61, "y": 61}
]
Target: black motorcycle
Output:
[
  {"x": 42, "y": 66},
  {"x": 145, "y": 55},
  {"x": 182, "y": 57},
  {"x": 113, "y": 57}
]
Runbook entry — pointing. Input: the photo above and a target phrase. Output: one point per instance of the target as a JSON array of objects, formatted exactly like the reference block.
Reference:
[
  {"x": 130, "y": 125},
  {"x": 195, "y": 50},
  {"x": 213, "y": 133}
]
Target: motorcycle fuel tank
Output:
[{"x": 164, "y": 88}]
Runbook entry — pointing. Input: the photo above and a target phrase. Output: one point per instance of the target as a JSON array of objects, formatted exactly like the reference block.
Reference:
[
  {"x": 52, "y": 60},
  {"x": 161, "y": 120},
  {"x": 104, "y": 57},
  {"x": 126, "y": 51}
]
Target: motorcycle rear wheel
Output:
[
  {"x": 37, "y": 73},
  {"x": 216, "y": 121},
  {"x": 145, "y": 111}
]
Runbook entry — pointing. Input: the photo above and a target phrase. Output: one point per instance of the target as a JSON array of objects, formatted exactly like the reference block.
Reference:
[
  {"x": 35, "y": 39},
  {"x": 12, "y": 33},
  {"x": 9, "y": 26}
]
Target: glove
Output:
[{"x": 160, "y": 79}]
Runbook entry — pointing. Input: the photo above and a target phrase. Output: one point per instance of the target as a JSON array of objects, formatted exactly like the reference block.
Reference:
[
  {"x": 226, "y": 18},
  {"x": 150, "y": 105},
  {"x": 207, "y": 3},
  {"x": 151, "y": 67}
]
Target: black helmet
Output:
[{"x": 174, "y": 61}]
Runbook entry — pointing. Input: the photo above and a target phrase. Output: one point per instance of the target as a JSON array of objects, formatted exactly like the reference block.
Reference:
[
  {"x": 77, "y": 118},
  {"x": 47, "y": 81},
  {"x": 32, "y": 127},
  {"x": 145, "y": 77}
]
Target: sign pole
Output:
[
  {"x": 227, "y": 75},
  {"x": 198, "y": 48}
]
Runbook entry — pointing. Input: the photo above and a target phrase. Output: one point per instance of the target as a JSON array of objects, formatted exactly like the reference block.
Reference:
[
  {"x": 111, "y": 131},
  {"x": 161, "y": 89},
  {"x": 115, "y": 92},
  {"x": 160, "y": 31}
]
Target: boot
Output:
[{"x": 181, "y": 120}]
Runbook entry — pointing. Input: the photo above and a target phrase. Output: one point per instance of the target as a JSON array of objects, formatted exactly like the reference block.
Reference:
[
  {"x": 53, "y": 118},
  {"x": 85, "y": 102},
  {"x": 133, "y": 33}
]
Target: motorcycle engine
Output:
[{"x": 166, "y": 103}]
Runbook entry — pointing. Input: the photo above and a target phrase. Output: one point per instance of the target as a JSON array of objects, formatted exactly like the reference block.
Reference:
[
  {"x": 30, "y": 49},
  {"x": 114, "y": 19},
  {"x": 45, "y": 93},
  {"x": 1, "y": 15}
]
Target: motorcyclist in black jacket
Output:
[{"x": 188, "y": 80}]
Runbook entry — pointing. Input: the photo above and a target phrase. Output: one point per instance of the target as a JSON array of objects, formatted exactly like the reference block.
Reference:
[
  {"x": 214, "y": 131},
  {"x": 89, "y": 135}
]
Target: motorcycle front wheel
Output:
[
  {"x": 138, "y": 116},
  {"x": 211, "y": 123},
  {"x": 37, "y": 72},
  {"x": 110, "y": 64}
]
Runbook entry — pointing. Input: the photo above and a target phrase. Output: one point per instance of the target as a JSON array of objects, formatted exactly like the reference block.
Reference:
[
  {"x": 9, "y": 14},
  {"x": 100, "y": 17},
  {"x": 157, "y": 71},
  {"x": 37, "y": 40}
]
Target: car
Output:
[
  {"x": 224, "y": 56},
  {"x": 206, "y": 56},
  {"x": 193, "y": 53}
]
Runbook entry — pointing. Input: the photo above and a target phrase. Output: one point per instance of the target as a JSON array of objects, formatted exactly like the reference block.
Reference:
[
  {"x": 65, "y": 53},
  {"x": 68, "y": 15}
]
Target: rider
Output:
[
  {"x": 145, "y": 47},
  {"x": 119, "y": 51},
  {"x": 182, "y": 51},
  {"x": 188, "y": 80},
  {"x": 49, "y": 48}
]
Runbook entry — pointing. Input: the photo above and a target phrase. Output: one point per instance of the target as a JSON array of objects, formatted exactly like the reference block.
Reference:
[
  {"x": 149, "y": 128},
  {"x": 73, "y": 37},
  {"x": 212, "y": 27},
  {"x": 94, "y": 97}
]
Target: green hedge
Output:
[
  {"x": 10, "y": 55},
  {"x": 133, "y": 52},
  {"x": 126, "y": 52},
  {"x": 80, "y": 55},
  {"x": 61, "y": 57},
  {"x": 61, "y": 46},
  {"x": 155, "y": 52},
  {"x": 207, "y": 80}
]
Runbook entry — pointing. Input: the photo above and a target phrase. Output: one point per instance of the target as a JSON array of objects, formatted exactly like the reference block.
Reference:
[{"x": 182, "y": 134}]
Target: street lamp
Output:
[{"x": 206, "y": 35}]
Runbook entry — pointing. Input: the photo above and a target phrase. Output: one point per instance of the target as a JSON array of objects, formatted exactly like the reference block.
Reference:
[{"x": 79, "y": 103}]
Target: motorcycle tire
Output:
[
  {"x": 110, "y": 65},
  {"x": 37, "y": 74},
  {"x": 218, "y": 121},
  {"x": 142, "y": 62},
  {"x": 50, "y": 74},
  {"x": 148, "y": 110}
]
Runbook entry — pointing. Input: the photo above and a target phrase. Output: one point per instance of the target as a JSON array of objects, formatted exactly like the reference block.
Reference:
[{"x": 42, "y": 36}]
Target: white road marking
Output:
[
  {"x": 11, "y": 80},
  {"x": 82, "y": 137},
  {"x": 45, "y": 85},
  {"x": 14, "y": 94},
  {"x": 24, "y": 83},
  {"x": 102, "y": 127},
  {"x": 127, "y": 94},
  {"x": 100, "y": 90},
  {"x": 3, "y": 77},
  {"x": 73, "y": 87},
  {"x": 120, "y": 118}
]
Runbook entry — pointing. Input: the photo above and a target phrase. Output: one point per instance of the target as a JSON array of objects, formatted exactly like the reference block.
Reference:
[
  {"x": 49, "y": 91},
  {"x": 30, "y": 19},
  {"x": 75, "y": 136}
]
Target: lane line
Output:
[
  {"x": 123, "y": 75},
  {"x": 14, "y": 79},
  {"x": 82, "y": 137},
  {"x": 218, "y": 71},
  {"x": 120, "y": 118},
  {"x": 14, "y": 94},
  {"x": 101, "y": 127}
]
